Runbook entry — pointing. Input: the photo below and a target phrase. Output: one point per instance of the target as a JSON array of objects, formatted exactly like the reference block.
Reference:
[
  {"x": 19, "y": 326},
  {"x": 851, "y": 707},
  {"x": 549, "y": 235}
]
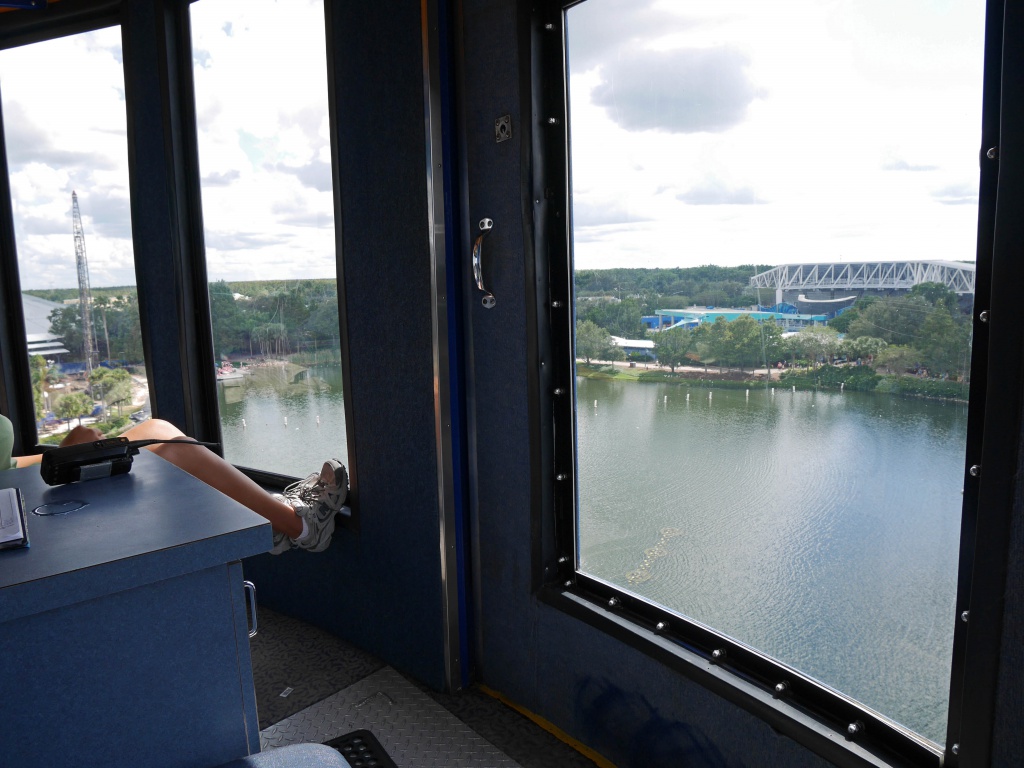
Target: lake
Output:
[
  {"x": 821, "y": 528},
  {"x": 284, "y": 418}
]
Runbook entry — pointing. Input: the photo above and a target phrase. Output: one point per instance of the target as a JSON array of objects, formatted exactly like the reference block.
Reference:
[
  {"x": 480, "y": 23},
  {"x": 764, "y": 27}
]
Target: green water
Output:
[{"x": 821, "y": 528}]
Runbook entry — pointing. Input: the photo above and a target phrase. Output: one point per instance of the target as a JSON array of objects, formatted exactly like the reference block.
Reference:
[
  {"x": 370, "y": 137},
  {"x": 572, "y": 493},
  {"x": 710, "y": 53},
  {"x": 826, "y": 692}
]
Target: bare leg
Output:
[{"x": 207, "y": 466}]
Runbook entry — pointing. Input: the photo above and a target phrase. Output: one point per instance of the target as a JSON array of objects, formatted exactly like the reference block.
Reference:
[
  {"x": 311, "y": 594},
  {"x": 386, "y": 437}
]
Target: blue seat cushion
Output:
[{"x": 293, "y": 756}]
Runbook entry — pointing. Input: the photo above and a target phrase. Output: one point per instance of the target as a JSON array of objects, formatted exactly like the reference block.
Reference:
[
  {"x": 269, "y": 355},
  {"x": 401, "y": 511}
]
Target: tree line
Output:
[
  {"x": 924, "y": 331},
  {"x": 617, "y": 299},
  {"x": 253, "y": 318}
]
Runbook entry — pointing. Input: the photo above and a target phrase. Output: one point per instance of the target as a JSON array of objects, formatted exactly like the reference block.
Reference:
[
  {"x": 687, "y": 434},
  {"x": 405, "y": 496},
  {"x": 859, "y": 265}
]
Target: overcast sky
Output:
[
  {"x": 728, "y": 132},
  {"x": 739, "y": 131}
]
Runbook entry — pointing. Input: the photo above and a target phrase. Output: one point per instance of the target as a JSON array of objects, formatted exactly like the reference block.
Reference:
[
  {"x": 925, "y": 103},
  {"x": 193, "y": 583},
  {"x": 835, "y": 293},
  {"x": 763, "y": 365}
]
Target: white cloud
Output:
[{"x": 850, "y": 126}]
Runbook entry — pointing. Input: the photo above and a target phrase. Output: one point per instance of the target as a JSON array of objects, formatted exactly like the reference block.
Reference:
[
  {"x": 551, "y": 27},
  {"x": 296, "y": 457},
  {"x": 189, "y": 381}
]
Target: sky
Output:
[
  {"x": 744, "y": 132},
  {"x": 726, "y": 132},
  {"x": 264, "y": 151}
]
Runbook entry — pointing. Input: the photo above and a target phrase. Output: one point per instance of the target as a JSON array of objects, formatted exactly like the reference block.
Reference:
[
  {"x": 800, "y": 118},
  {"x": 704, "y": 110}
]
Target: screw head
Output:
[
  {"x": 661, "y": 626},
  {"x": 718, "y": 654},
  {"x": 559, "y": 391},
  {"x": 955, "y": 749},
  {"x": 552, "y": 121},
  {"x": 613, "y": 602},
  {"x": 965, "y": 616},
  {"x": 992, "y": 153},
  {"x": 983, "y": 316},
  {"x": 556, "y": 304},
  {"x": 560, "y": 477},
  {"x": 975, "y": 470},
  {"x": 855, "y": 729},
  {"x": 782, "y": 688},
  {"x": 568, "y": 584}
]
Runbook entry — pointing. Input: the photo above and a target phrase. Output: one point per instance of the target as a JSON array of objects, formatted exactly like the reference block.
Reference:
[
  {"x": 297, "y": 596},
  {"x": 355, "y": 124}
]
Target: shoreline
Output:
[{"x": 827, "y": 378}]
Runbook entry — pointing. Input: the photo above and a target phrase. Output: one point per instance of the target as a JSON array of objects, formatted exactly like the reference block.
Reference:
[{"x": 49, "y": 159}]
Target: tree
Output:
[
  {"x": 37, "y": 366},
  {"x": 103, "y": 303},
  {"x": 66, "y": 322},
  {"x": 898, "y": 358},
  {"x": 944, "y": 343},
  {"x": 112, "y": 386},
  {"x": 741, "y": 341},
  {"x": 895, "y": 321},
  {"x": 861, "y": 347},
  {"x": 671, "y": 346},
  {"x": 591, "y": 340},
  {"x": 938, "y": 295},
  {"x": 74, "y": 406},
  {"x": 816, "y": 341}
]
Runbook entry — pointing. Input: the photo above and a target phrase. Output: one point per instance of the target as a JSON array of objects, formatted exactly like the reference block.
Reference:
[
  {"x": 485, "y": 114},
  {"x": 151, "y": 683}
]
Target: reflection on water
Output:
[
  {"x": 284, "y": 418},
  {"x": 822, "y": 528}
]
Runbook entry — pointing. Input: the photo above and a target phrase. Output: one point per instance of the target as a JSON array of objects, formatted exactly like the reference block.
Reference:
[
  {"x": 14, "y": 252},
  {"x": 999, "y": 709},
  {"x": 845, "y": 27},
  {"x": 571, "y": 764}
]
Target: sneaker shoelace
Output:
[{"x": 307, "y": 490}]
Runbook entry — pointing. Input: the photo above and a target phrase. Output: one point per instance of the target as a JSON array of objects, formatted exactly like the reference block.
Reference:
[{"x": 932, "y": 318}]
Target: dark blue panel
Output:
[
  {"x": 609, "y": 696},
  {"x": 144, "y": 677},
  {"x": 380, "y": 587}
]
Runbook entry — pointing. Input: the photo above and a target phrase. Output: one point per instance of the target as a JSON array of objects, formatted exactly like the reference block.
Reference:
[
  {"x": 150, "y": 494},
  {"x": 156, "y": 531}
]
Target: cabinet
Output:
[{"x": 123, "y": 628}]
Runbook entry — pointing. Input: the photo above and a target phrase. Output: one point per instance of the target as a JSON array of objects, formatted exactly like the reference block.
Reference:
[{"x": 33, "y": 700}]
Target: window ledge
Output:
[{"x": 782, "y": 714}]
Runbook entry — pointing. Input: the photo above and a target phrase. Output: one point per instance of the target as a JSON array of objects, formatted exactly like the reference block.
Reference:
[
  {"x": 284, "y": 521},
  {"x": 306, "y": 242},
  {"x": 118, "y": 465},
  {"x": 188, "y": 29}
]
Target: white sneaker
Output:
[{"x": 316, "y": 500}]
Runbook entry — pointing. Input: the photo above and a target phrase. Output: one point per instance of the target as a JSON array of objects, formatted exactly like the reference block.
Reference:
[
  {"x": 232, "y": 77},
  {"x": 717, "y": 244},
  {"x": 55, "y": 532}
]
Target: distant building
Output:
[
  {"x": 643, "y": 347},
  {"x": 663, "y": 319},
  {"x": 37, "y": 327}
]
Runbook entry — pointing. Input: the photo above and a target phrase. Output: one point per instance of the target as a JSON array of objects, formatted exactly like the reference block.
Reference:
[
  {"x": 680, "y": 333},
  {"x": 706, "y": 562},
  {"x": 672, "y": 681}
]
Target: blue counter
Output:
[{"x": 123, "y": 628}]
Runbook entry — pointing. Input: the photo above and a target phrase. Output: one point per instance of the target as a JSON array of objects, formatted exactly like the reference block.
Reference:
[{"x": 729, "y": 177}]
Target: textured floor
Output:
[{"x": 336, "y": 688}]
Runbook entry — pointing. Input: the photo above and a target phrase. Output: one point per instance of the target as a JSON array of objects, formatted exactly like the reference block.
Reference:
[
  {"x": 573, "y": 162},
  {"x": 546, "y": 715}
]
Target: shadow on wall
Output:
[{"x": 652, "y": 741}]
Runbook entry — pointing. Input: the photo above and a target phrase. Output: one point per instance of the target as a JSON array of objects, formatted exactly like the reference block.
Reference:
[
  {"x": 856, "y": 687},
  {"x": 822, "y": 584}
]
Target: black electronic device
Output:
[{"x": 96, "y": 459}]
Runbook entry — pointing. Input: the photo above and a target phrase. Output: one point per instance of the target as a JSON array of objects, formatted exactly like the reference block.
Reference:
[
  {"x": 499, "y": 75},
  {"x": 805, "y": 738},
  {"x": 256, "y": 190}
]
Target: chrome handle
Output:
[
  {"x": 250, "y": 588},
  {"x": 478, "y": 269}
]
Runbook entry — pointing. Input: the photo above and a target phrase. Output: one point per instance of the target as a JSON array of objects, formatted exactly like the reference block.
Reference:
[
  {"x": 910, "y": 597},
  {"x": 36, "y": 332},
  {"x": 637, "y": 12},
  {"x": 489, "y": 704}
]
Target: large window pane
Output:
[
  {"x": 778, "y": 453},
  {"x": 64, "y": 120},
  {"x": 261, "y": 97}
]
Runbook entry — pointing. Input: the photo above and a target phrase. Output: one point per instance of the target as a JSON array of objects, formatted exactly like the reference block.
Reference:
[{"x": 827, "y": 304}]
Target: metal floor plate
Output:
[{"x": 416, "y": 731}]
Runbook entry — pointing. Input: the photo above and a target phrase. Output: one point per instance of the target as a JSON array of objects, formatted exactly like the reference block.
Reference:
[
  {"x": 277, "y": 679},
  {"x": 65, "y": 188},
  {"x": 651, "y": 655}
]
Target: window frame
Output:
[
  {"x": 166, "y": 214},
  {"x": 806, "y": 710}
]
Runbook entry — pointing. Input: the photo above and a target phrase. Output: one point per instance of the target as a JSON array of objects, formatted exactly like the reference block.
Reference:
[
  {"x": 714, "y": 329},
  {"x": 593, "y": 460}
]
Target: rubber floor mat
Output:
[{"x": 362, "y": 750}]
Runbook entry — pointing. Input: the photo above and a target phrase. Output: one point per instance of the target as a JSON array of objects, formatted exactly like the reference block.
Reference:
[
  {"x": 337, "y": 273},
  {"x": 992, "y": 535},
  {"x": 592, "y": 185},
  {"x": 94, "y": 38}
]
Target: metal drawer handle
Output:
[
  {"x": 250, "y": 589},
  {"x": 478, "y": 270}
]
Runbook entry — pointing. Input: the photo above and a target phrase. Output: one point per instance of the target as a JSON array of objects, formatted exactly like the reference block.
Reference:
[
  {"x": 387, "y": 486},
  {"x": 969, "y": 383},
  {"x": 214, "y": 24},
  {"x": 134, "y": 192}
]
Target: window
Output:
[
  {"x": 64, "y": 116},
  {"x": 264, "y": 149},
  {"x": 774, "y": 223}
]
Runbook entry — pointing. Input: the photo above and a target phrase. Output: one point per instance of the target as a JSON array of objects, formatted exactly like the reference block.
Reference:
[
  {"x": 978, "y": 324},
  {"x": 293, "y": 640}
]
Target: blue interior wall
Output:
[
  {"x": 380, "y": 587},
  {"x": 621, "y": 702}
]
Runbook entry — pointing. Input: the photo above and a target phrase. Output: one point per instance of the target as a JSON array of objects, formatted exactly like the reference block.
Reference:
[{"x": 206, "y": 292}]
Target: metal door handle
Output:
[
  {"x": 250, "y": 589},
  {"x": 478, "y": 269}
]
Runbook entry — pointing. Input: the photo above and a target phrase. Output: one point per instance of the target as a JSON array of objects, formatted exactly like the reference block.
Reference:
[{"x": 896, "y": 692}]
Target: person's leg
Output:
[{"x": 207, "y": 466}]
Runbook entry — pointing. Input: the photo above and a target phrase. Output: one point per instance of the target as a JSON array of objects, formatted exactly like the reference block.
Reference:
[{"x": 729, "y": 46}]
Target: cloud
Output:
[
  {"x": 586, "y": 214},
  {"x": 308, "y": 219},
  {"x": 109, "y": 214},
  {"x": 957, "y": 194},
  {"x": 903, "y": 165},
  {"x": 713, "y": 192},
  {"x": 316, "y": 174},
  {"x": 596, "y": 30},
  {"x": 237, "y": 241},
  {"x": 687, "y": 90},
  {"x": 221, "y": 179},
  {"x": 27, "y": 143}
]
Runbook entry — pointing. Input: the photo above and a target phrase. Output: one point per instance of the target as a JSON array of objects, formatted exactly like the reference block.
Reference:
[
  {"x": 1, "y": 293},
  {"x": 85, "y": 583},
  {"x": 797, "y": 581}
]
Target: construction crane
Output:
[{"x": 84, "y": 292}]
